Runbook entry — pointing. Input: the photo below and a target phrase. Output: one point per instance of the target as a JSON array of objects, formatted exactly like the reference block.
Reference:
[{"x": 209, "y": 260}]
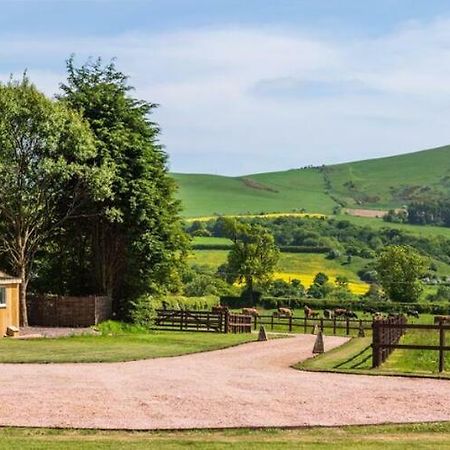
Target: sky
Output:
[{"x": 255, "y": 85}]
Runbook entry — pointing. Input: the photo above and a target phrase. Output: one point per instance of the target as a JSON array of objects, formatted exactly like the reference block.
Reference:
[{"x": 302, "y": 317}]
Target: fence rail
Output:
[
  {"x": 308, "y": 324},
  {"x": 207, "y": 321},
  {"x": 387, "y": 334}
]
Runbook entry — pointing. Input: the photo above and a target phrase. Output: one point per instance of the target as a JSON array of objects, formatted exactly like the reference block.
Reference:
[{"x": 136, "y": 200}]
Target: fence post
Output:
[
  {"x": 305, "y": 324},
  {"x": 441, "y": 345},
  {"x": 271, "y": 322},
  {"x": 181, "y": 319},
  {"x": 255, "y": 321},
  {"x": 347, "y": 327},
  {"x": 321, "y": 324},
  {"x": 334, "y": 325},
  {"x": 290, "y": 323},
  {"x": 376, "y": 357},
  {"x": 225, "y": 325}
]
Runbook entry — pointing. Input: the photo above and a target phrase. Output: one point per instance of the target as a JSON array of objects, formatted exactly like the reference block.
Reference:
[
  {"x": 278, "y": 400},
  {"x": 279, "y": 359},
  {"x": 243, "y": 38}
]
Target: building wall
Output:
[
  {"x": 63, "y": 311},
  {"x": 9, "y": 315}
]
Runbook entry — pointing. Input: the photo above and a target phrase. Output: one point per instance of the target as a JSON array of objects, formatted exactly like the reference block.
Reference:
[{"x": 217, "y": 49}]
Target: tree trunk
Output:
[{"x": 23, "y": 298}]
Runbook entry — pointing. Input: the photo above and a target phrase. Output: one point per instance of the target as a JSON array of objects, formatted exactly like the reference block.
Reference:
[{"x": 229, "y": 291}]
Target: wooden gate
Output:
[{"x": 217, "y": 322}]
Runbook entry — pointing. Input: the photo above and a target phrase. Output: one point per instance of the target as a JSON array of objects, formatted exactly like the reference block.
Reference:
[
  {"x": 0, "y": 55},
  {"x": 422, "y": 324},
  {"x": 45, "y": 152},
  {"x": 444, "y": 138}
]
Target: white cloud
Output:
[{"x": 238, "y": 100}]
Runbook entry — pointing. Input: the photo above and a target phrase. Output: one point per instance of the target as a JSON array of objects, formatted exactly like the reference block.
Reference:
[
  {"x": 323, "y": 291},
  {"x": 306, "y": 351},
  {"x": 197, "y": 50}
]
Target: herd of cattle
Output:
[{"x": 342, "y": 313}]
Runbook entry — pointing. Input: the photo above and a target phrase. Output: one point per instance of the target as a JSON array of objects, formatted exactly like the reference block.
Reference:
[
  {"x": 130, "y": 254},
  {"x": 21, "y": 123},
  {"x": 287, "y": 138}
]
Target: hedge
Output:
[
  {"x": 357, "y": 305},
  {"x": 283, "y": 248}
]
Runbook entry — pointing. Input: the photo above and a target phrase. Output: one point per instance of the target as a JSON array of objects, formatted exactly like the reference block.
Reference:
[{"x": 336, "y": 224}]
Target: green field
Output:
[
  {"x": 303, "y": 266},
  {"x": 356, "y": 356},
  {"x": 424, "y": 436},
  {"x": 113, "y": 348},
  {"x": 371, "y": 184}
]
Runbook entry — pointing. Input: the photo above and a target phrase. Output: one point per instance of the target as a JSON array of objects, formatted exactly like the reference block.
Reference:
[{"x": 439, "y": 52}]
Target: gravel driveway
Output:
[{"x": 248, "y": 385}]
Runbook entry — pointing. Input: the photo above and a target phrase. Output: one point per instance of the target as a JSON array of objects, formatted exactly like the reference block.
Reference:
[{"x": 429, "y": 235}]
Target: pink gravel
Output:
[{"x": 249, "y": 385}]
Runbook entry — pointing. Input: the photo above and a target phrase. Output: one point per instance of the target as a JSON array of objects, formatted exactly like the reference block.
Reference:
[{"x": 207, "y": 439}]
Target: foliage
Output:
[
  {"x": 47, "y": 173},
  {"x": 131, "y": 244},
  {"x": 400, "y": 269},
  {"x": 253, "y": 256},
  {"x": 442, "y": 293},
  {"x": 281, "y": 288}
]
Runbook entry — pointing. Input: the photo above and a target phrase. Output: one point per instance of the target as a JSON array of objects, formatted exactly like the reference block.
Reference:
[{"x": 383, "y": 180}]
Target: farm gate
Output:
[{"x": 218, "y": 322}]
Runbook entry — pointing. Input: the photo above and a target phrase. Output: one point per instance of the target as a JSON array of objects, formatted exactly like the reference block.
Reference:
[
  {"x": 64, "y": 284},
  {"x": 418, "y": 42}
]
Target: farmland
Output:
[
  {"x": 302, "y": 266},
  {"x": 373, "y": 184}
]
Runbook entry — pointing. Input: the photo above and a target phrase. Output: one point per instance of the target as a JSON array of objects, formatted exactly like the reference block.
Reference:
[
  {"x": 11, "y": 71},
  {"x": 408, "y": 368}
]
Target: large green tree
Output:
[
  {"x": 253, "y": 256},
  {"x": 400, "y": 268},
  {"x": 46, "y": 155},
  {"x": 133, "y": 242}
]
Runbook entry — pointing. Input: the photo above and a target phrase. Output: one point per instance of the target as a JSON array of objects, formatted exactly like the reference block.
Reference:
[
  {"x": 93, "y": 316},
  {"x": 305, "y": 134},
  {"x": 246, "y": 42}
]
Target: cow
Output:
[
  {"x": 250, "y": 312},
  {"x": 338, "y": 312},
  {"x": 283, "y": 312},
  {"x": 351, "y": 315},
  {"x": 441, "y": 319},
  {"x": 220, "y": 309},
  {"x": 413, "y": 313},
  {"x": 328, "y": 314},
  {"x": 369, "y": 310}
]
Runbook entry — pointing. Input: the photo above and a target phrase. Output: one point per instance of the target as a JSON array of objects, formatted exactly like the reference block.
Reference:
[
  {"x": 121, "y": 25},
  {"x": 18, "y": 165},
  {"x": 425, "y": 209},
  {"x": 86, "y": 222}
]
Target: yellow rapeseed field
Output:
[
  {"x": 250, "y": 216},
  {"x": 307, "y": 280}
]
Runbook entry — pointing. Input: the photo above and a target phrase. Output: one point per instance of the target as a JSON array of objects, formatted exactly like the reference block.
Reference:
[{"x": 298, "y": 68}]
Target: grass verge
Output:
[
  {"x": 115, "y": 348},
  {"x": 424, "y": 436},
  {"x": 355, "y": 357}
]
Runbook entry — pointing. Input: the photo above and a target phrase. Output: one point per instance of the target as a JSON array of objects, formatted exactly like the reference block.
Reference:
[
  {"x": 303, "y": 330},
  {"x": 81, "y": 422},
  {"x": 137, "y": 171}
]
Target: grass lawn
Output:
[
  {"x": 127, "y": 347},
  {"x": 423, "y": 436}
]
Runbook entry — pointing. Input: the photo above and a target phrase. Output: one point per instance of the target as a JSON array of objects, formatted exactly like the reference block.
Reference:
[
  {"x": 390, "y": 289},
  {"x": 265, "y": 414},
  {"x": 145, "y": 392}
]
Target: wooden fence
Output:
[
  {"x": 185, "y": 320},
  {"x": 387, "y": 333},
  {"x": 306, "y": 325}
]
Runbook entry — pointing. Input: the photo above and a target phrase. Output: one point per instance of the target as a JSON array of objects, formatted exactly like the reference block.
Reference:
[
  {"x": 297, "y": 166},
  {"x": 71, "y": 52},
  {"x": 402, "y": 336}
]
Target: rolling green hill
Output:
[{"x": 378, "y": 183}]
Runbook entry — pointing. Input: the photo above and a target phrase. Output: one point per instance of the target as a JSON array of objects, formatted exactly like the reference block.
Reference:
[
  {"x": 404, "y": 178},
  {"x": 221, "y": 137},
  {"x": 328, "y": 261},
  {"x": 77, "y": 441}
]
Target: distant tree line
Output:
[{"x": 422, "y": 213}]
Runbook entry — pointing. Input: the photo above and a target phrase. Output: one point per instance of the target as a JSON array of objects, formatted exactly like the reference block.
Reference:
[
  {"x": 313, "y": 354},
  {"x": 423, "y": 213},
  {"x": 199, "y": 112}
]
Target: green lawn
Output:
[
  {"x": 115, "y": 348},
  {"x": 424, "y": 436}
]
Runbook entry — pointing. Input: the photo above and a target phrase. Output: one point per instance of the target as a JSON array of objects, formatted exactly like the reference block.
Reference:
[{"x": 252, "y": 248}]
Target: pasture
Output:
[{"x": 425, "y": 436}]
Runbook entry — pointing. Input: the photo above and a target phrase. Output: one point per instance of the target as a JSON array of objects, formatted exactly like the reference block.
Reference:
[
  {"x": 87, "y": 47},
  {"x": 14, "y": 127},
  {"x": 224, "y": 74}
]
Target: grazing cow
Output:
[
  {"x": 283, "y": 312},
  {"x": 310, "y": 313},
  {"x": 351, "y": 315},
  {"x": 413, "y": 313},
  {"x": 220, "y": 309},
  {"x": 250, "y": 312},
  {"x": 338, "y": 312},
  {"x": 328, "y": 314},
  {"x": 441, "y": 319}
]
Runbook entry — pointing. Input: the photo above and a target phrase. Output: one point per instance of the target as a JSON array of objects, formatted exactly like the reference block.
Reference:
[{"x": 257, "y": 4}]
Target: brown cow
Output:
[
  {"x": 283, "y": 312},
  {"x": 250, "y": 312},
  {"x": 310, "y": 313},
  {"x": 441, "y": 319},
  {"x": 219, "y": 309}
]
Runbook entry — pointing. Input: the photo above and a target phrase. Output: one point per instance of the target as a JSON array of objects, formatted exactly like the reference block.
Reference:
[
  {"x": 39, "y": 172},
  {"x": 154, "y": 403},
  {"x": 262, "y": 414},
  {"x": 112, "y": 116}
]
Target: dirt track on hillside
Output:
[{"x": 248, "y": 385}]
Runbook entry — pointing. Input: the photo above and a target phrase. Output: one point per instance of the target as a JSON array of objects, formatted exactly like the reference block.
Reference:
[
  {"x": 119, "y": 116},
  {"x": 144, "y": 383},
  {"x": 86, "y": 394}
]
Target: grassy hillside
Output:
[{"x": 378, "y": 183}]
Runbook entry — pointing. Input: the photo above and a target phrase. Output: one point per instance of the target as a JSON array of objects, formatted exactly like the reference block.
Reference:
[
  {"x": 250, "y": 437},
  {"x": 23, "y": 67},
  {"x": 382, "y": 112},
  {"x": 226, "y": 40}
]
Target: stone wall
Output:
[{"x": 62, "y": 311}]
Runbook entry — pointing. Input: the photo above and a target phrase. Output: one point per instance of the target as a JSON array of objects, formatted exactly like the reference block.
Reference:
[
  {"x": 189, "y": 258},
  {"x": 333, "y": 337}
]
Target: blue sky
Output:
[{"x": 256, "y": 85}]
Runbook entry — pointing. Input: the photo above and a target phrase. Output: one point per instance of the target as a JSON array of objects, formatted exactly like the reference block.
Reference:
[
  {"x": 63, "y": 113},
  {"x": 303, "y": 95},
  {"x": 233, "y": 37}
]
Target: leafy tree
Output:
[
  {"x": 46, "y": 155},
  {"x": 253, "y": 256},
  {"x": 134, "y": 241},
  {"x": 400, "y": 268},
  {"x": 320, "y": 279}
]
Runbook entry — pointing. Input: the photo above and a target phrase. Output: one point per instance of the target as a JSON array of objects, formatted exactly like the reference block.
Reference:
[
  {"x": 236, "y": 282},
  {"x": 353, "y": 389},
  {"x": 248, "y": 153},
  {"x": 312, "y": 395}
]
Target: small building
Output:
[{"x": 9, "y": 302}]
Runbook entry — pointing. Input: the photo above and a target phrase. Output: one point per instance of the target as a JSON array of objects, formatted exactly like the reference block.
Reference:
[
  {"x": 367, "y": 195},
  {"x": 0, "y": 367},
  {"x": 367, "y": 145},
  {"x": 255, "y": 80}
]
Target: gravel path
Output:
[{"x": 248, "y": 385}]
